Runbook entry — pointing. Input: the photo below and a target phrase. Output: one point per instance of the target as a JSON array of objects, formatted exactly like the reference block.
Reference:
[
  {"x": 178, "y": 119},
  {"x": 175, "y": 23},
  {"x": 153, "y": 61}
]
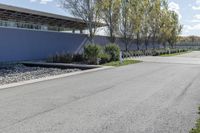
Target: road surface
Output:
[{"x": 149, "y": 97}]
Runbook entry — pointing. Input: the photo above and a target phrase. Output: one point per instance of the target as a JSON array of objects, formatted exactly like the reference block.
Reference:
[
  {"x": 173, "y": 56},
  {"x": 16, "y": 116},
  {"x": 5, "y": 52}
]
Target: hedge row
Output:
[
  {"x": 127, "y": 54},
  {"x": 93, "y": 54}
]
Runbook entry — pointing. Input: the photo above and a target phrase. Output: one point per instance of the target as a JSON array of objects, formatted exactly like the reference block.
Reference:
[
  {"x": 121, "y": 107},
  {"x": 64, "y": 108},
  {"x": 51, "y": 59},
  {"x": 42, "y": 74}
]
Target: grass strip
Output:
[
  {"x": 197, "y": 128},
  {"x": 175, "y": 54},
  {"x": 125, "y": 62}
]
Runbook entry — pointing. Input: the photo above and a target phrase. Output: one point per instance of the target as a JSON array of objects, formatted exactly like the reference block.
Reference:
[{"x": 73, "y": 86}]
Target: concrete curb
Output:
[
  {"x": 52, "y": 77},
  {"x": 60, "y": 65}
]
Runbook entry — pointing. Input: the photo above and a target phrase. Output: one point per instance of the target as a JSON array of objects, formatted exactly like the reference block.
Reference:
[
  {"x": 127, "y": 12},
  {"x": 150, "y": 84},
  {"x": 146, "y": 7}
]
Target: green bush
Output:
[
  {"x": 66, "y": 58},
  {"x": 104, "y": 58},
  {"x": 197, "y": 128},
  {"x": 78, "y": 58},
  {"x": 91, "y": 53},
  {"x": 61, "y": 58},
  {"x": 113, "y": 50}
]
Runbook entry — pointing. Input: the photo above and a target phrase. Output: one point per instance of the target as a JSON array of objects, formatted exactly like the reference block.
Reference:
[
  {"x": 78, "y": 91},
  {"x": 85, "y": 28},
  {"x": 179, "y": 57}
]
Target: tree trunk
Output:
[
  {"x": 112, "y": 37},
  {"x": 153, "y": 42},
  {"x": 164, "y": 45},
  {"x": 146, "y": 44},
  {"x": 126, "y": 43},
  {"x": 137, "y": 43}
]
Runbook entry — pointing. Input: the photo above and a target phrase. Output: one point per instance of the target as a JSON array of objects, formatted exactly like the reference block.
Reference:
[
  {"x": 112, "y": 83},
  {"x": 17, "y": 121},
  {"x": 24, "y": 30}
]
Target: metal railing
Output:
[{"x": 25, "y": 25}]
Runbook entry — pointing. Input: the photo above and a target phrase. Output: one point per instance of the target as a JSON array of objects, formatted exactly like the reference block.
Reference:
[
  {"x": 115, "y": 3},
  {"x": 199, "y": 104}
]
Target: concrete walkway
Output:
[{"x": 142, "y": 98}]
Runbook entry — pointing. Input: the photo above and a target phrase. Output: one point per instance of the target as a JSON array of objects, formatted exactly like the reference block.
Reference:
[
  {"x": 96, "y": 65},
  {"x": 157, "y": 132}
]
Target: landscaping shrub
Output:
[
  {"x": 66, "y": 58},
  {"x": 157, "y": 52},
  {"x": 78, "y": 58},
  {"x": 104, "y": 58},
  {"x": 126, "y": 54},
  {"x": 113, "y": 50},
  {"x": 91, "y": 53},
  {"x": 61, "y": 58}
]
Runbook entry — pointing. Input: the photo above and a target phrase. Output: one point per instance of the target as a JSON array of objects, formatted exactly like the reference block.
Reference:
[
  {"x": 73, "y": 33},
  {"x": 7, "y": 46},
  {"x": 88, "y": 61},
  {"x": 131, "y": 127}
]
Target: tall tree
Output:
[
  {"x": 85, "y": 10},
  {"x": 126, "y": 25},
  {"x": 165, "y": 24},
  {"x": 175, "y": 28},
  {"x": 155, "y": 15},
  {"x": 146, "y": 27},
  {"x": 110, "y": 15},
  {"x": 137, "y": 12}
]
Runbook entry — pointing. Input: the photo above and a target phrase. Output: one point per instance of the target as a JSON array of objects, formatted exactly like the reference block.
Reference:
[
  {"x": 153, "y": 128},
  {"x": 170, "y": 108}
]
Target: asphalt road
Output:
[{"x": 147, "y": 97}]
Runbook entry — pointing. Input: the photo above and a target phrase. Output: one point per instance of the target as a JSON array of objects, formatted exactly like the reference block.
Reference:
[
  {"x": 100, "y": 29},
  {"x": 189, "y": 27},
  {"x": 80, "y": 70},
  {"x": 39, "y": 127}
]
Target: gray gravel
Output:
[{"x": 11, "y": 73}]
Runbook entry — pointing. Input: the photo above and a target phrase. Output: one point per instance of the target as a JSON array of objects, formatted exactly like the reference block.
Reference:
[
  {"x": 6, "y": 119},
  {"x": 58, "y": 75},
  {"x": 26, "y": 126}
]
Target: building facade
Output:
[
  {"x": 16, "y": 17},
  {"x": 33, "y": 35}
]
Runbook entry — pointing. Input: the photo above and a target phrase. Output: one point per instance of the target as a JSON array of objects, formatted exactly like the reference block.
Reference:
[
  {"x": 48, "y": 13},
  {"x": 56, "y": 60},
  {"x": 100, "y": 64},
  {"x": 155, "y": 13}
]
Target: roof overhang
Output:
[{"x": 18, "y": 14}]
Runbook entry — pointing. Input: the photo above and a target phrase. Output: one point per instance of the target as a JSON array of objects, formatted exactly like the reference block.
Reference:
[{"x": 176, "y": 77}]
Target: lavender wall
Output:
[{"x": 20, "y": 44}]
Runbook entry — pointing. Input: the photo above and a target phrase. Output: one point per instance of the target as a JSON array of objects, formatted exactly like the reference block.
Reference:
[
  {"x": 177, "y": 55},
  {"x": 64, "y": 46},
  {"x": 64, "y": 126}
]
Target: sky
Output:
[{"x": 188, "y": 11}]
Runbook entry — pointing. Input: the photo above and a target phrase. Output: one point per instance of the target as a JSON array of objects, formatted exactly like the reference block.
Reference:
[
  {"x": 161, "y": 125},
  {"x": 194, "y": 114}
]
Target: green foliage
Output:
[
  {"x": 144, "y": 20},
  {"x": 78, "y": 58},
  {"x": 66, "y": 58},
  {"x": 104, "y": 58},
  {"x": 113, "y": 50},
  {"x": 125, "y": 62},
  {"x": 197, "y": 128},
  {"x": 160, "y": 52},
  {"x": 109, "y": 13},
  {"x": 61, "y": 58},
  {"x": 91, "y": 53}
]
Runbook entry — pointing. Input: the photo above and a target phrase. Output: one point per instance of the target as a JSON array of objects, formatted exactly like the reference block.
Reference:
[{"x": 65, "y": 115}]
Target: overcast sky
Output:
[{"x": 188, "y": 10}]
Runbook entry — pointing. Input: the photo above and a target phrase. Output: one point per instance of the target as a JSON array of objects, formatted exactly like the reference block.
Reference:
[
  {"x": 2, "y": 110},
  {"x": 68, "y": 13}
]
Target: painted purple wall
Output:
[
  {"x": 18, "y": 44},
  {"x": 21, "y": 44}
]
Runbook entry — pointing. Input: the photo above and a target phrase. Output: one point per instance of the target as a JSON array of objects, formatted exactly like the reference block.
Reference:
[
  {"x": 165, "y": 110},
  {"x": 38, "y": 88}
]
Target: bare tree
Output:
[{"x": 87, "y": 10}]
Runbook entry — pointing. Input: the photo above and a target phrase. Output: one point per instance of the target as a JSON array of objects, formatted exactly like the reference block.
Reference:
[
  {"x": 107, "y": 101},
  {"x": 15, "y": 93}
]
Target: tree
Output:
[
  {"x": 109, "y": 13},
  {"x": 154, "y": 16},
  {"x": 85, "y": 10},
  {"x": 126, "y": 25},
  {"x": 136, "y": 15},
  {"x": 165, "y": 23},
  {"x": 175, "y": 29},
  {"x": 146, "y": 20},
  {"x": 146, "y": 28}
]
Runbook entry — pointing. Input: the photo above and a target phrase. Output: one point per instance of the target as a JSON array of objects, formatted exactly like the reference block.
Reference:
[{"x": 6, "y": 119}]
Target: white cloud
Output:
[
  {"x": 176, "y": 8},
  {"x": 41, "y": 1},
  {"x": 45, "y": 1},
  {"x": 197, "y": 16},
  {"x": 194, "y": 21},
  {"x": 33, "y": 0},
  {"x": 198, "y": 1},
  {"x": 192, "y": 28},
  {"x": 197, "y": 6}
]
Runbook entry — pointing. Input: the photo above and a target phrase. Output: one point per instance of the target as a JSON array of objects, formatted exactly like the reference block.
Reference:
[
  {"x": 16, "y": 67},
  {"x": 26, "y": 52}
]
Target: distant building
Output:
[
  {"x": 16, "y": 17},
  {"x": 34, "y": 35}
]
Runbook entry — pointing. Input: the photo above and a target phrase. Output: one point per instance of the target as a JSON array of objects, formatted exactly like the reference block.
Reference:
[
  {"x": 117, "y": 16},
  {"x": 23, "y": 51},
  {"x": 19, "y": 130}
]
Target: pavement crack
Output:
[
  {"x": 57, "y": 107},
  {"x": 183, "y": 93}
]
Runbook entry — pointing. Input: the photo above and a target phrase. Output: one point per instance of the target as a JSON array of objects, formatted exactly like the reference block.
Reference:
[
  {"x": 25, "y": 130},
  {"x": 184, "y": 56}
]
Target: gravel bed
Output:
[{"x": 12, "y": 73}]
